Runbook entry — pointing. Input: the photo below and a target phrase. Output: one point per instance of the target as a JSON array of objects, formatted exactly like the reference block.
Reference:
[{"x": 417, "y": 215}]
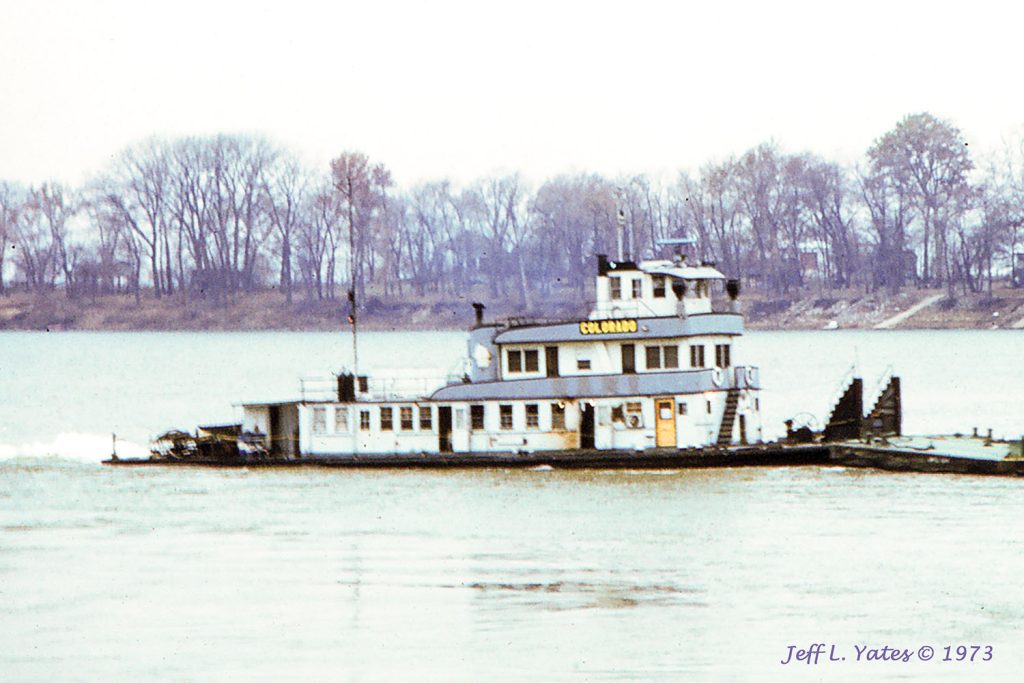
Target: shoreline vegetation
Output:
[
  {"x": 270, "y": 310},
  {"x": 233, "y": 232}
]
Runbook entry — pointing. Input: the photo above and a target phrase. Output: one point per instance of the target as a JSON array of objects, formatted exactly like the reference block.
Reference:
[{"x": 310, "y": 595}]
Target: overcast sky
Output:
[{"x": 461, "y": 89}]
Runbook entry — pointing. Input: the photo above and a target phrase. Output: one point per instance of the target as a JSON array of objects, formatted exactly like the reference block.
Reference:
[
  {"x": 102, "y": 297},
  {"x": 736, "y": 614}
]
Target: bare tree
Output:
[{"x": 927, "y": 159}]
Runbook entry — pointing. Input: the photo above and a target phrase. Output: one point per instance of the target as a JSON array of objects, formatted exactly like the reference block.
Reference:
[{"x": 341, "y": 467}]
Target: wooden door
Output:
[
  {"x": 586, "y": 425},
  {"x": 551, "y": 360},
  {"x": 444, "y": 429},
  {"x": 628, "y": 359},
  {"x": 665, "y": 422}
]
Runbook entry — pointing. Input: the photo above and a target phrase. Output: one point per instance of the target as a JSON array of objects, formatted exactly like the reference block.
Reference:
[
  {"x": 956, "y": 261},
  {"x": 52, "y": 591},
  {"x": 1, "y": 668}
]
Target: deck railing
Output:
[{"x": 379, "y": 387}]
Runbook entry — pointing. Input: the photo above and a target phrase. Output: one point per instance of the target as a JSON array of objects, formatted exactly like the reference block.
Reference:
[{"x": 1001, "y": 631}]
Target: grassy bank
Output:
[{"x": 270, "y": 311}]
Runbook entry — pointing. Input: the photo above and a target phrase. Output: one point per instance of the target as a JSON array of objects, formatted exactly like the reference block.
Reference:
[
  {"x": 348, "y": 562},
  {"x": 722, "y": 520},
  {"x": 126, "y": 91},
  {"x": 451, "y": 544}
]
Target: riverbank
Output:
[{"x": 269, "y": 310}]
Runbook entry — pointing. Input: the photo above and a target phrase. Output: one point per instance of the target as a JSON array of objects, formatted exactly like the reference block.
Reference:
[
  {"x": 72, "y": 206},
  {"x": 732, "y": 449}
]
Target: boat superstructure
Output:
[{"x": 652, "y": 366}]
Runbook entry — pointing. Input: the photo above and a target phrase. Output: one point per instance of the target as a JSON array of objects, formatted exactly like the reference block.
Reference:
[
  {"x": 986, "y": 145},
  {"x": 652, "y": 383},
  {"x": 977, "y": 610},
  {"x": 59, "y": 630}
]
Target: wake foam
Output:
[{"x": 77, "y": 447}]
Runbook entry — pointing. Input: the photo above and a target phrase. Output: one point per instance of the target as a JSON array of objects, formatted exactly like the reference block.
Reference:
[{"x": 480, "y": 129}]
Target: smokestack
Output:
[
  {"x": 479, "y": 308},
  {"x": 732, "y": 287}
]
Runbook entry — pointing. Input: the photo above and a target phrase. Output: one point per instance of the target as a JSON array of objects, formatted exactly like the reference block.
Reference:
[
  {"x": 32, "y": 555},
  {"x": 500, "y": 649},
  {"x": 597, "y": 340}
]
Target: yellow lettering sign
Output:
[{"x": 607, "y": 326}]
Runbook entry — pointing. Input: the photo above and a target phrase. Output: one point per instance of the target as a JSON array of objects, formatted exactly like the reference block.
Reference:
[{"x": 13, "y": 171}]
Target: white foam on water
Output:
[{"x": 76, "y": 446}]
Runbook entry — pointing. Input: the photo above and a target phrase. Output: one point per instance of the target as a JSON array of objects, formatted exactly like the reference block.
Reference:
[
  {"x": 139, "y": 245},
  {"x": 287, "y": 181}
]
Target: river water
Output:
[{"x": 118, "y": 574}]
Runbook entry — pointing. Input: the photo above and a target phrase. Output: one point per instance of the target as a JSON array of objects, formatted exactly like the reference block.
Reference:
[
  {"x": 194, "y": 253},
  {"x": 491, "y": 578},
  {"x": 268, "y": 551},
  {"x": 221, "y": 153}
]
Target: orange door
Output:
[{"x": 665, "y": 422}]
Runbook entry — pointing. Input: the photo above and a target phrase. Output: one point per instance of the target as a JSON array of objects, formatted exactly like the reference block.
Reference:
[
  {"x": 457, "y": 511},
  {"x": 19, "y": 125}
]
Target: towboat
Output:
[{"x": 653, "y": 365}]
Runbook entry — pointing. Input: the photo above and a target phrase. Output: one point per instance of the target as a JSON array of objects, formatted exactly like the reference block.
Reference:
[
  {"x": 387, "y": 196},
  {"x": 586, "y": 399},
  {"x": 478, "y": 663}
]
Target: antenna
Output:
[{"x": 621, "y": 226}]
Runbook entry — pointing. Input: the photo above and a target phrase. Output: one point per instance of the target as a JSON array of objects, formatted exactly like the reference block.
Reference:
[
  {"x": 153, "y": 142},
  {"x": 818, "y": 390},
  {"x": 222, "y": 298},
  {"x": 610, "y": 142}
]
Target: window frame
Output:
[
  {"x": 557, "y": 423},
  {"x": 341, "y": 420},
  {"x": 406, "y": 425},
  {"x": 652, "y": 352},
  {"x": 387, "y": 419},
  {"x": 426, "y": 418},
  {"x": 319, "y": 420},
  {"x": 505, "y": 417},
  {"x": 533, "y": 416},
  {"x": 658, "y": 284},
  {"x": 477, "y": 416}
]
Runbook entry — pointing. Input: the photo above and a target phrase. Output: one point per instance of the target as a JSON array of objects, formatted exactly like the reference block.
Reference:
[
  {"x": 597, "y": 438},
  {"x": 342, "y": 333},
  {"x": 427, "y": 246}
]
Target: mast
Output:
[{"x": 352, "y": 284}]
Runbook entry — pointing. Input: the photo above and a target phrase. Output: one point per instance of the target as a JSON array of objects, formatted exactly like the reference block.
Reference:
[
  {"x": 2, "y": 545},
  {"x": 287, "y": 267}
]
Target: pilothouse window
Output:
[
  {"x": 659, "y": 286},
  {"x": 616, "y": 284},
  {"x": 637, "y": 288}
]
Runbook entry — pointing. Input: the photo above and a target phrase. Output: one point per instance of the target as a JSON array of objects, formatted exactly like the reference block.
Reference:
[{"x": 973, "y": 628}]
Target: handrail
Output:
[
  {"x": 844, "y": 384},
  {"x": 379, "y": 387},
  {"x": 880, "y": 384}
]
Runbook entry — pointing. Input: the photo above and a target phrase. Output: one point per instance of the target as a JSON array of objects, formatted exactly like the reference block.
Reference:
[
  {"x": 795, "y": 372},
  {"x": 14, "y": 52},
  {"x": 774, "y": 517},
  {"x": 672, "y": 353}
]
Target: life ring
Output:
[
  {"x": 634, "y": 422},
  {"x": 749, "y": 372},
  {"x": 717, "y": 376}
]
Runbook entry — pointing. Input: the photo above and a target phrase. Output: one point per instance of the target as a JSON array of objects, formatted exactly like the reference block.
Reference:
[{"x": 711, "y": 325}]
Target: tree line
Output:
[{"x": 218, "y": 216}]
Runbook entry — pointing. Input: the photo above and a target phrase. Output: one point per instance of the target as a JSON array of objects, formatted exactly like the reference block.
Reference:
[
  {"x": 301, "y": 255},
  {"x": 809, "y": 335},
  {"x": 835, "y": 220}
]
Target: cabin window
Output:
[
  {"x": 709, "y": 407},
  {"x": 633, "y": 407},
  {"x": 557, "y": 417},
  {"x": 405, "y": 412},
  {"x": 616, "y": 284},
  {"x": 582, "y": 364},
  {"x": 426, "y": 418},
  {"x": 476, "y": 417},
  {"x": 617, "y": 414},
  {"x": 662, "y": 357},
  {"x": 532, "y": 416},
  {"x": 364, "y": 384},
  {"x": 722, "y": 359},
  {"x": 659, "y": 286},
  {"x": 340, "y": 420},
  {"x": 520, "y": 361},
  {"x": 697, "y": 356},
  {"x": 637, "y": 288},
  {"x": 364, "y": 420},
  {"x": 682, "y": 408},
  {"x": 505, "y": 410},
  {"x": 319, "y": 420},
  {"x": 386, "y": 419}
]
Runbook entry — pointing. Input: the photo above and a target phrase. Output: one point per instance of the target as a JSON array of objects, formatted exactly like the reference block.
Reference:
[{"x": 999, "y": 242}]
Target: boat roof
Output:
[
  {"x": 730, "y": 324},
  {"x": 583, "y": 386},
  {"x": 682, "y": 272}
]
